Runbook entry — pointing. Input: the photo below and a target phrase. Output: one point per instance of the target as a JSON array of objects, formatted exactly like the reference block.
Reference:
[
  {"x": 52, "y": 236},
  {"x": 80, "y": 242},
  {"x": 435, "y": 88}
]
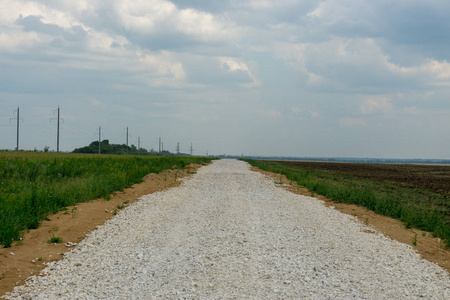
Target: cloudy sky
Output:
[{"x": 336, "y": 78}]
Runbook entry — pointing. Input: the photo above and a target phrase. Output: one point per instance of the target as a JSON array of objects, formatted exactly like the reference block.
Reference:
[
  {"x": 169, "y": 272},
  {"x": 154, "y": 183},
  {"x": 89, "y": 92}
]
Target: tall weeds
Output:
[{"x": 32, "y": 187}]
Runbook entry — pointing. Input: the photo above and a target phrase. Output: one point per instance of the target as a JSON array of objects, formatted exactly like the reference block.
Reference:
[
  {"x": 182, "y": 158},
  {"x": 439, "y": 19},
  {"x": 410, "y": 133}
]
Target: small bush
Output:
[{"x": 55, "y": 239}]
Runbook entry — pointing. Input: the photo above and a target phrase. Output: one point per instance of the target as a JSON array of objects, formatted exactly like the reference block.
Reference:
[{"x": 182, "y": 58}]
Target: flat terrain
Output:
[
  {"x": 29, "y": 256},
  {"x": 432, "y": 178},
  {"x": 228, "y": 232},
  {"x": 417, "y": 195}
]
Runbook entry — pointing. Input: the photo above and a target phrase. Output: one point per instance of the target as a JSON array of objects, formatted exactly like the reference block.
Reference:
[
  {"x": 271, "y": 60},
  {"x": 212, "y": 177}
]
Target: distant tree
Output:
[{"x": 107, "y": 148}]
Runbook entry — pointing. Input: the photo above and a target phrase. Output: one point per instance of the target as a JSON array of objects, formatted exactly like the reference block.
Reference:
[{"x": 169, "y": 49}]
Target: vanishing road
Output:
[{"x": 229, "y": 233}]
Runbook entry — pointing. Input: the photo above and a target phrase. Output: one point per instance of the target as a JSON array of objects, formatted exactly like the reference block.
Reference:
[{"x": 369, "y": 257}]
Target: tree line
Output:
[{"x": 107, "y": 148}]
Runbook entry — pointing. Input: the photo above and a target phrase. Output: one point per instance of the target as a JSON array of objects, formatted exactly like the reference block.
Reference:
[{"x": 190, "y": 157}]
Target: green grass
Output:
[
  {"x": 35, "y": 185},
  {"x": 419, "y": 208},
  {"x": 55, "y": 239}
]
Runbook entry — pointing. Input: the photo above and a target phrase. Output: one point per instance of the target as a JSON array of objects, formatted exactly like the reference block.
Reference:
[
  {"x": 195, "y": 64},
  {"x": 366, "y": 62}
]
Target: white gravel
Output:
[{"x": 229, "y": 233}]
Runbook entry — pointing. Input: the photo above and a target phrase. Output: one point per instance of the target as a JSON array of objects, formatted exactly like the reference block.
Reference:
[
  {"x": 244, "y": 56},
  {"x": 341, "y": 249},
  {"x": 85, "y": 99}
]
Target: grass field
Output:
[
  {"x": 34, "y": 185},
  {"x": 418, "y": 195}
]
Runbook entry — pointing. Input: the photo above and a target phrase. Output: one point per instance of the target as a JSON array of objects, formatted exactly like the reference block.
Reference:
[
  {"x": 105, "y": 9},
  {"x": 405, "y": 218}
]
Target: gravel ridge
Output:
[{"x": 230, "y": 233}]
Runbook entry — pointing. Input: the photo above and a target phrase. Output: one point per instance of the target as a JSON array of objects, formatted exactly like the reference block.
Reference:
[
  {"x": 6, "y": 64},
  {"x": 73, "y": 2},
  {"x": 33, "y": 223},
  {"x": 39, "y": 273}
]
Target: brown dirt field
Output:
[
  {"x": 428, "y": 247},
  {"x": 433, "y": 178},
  {"x": 29, "y": 256}
]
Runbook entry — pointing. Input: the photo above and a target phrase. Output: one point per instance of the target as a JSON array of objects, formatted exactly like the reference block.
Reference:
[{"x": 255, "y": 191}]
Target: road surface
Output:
[{"x": 229, "y": 233}]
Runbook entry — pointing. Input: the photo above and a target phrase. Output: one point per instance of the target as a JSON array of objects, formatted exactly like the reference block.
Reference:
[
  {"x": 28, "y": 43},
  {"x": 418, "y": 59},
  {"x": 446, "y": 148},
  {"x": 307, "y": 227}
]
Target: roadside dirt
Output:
[
  {"x": 29, "y": 256},
  {"x": 428, "y": 247}
]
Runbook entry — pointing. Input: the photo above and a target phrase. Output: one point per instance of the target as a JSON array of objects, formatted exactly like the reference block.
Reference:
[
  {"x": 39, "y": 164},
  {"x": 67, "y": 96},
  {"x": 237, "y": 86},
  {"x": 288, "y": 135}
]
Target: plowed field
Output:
[{"x": 433, "y": 178}]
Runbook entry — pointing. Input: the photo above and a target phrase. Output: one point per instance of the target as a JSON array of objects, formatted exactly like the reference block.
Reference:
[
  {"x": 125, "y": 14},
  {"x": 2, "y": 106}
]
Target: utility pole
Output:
[
  {"x": 18, "y": 119},
  {"x": 57, "y": 135},
  {"x": 191, "y": 149},
  {"x": 159, "y": 151},
  {"x": 57, "y": 127},
  {"x": 178, "y": 148},
  {"x": 127, "y": 140},
  {"x": 99, "y": 138},
  {"x": 139, "y": 145}
]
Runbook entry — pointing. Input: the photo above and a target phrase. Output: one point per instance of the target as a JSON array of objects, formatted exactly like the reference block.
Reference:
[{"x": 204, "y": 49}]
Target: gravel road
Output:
[{"x": 229, "y": 233}]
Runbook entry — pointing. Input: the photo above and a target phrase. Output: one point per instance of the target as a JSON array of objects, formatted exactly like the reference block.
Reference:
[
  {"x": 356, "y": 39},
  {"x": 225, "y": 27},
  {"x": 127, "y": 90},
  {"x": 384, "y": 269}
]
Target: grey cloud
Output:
[
  {"x": 49, "y": 78},
  {"x": 419, "y": 23},
  {"x": 170, "y": 40},
  {"x": 209, "y": 71},
  {"x": 350, "y": 78},
  {"x": 34, "y": 23},
  {"x": 424, "y": 27},
  {"x": 204, "y": 5}
]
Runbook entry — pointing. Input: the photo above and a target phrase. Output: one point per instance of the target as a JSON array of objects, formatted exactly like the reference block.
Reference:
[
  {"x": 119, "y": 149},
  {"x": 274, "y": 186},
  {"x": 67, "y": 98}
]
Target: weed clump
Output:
[{"x": 54, "y": 239}]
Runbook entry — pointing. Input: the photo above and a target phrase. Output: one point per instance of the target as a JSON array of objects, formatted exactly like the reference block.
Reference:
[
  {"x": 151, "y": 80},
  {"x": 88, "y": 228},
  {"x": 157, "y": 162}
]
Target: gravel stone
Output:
[{"x": 230, "y": 233}]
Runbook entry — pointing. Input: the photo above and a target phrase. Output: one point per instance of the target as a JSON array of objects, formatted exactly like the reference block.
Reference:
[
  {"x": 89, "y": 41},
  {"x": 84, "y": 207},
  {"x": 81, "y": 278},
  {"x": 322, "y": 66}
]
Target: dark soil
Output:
[{"x": 432, "y": 178}]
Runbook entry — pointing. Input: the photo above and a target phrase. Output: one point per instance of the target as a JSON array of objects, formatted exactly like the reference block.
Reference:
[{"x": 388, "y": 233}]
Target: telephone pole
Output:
[
  {"x": 57, "y": 127},
  {"x": 139, "y": 145},
  {"x": 99, "y": 137},
  {"x": 127, "y": 140},
  {"x": 159, "y": 146},
  {"x": 57, "y": 135},
  {"x": 18, "y": 119}
]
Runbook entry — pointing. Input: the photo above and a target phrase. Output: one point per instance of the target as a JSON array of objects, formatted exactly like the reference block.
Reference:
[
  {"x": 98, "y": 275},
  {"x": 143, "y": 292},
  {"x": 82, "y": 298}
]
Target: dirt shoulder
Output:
[
  {"x": 431, "y": 248},
  {"x": 29, "y": 256}
]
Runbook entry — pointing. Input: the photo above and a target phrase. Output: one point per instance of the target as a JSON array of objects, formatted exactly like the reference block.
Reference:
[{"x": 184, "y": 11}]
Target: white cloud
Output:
[
  {"x": 273, "y": 115},
  {"x": 16, "y": 40},
  {"x": 351, "y": 123},
  {"x": 296, "y": 110},
  {"x": 358, "y": 65},
  {"x": 260, "y": 4},
  {"x": 376, "y": 104},
  {"x": 304, "y": 112},
  {"x": 156, "y": 17},
  {"x": 143, "y": 15},
  {"x": 412, "y": 110},
  {"x": 439, "y": 72},
  {"x": 233, "y": 65}
]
